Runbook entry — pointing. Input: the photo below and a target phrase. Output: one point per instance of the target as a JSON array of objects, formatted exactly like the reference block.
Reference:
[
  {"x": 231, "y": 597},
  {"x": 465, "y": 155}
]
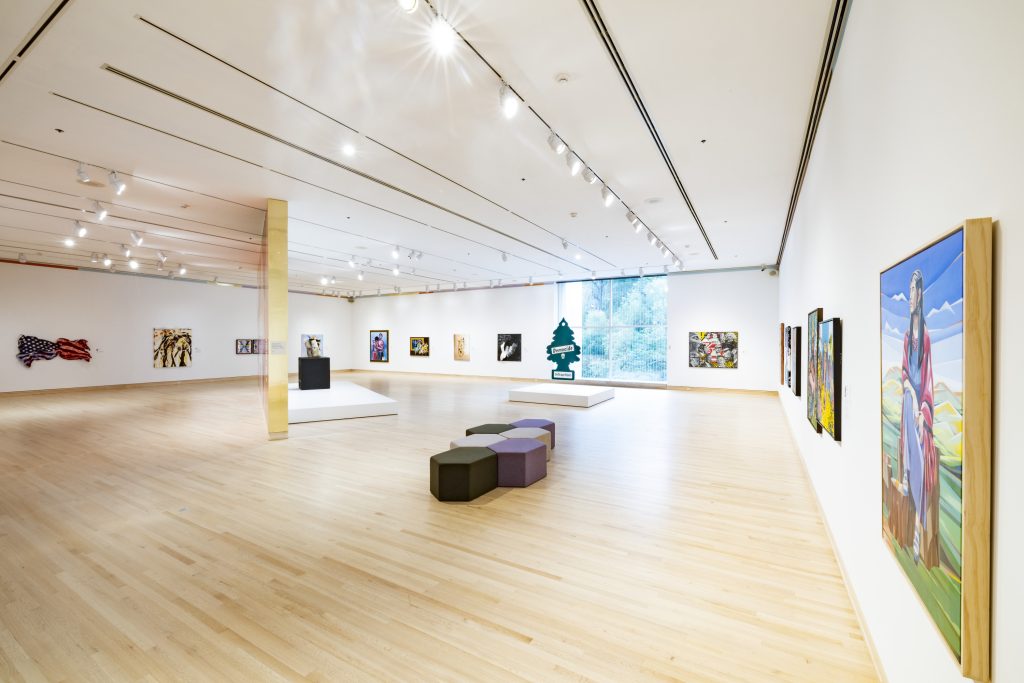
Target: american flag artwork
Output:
[{"x": 31, "y": 349}]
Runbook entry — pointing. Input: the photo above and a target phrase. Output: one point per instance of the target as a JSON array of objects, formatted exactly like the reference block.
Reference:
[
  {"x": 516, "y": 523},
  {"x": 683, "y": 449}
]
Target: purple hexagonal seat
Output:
[
  {"x": 538, "y": 422},
  {"x": 520, "y": 461}
]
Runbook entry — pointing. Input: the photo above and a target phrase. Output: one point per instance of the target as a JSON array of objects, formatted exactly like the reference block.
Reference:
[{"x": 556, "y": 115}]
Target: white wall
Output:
[
  {"x": 742, "y": 301},
  {"x": 117, "y": 314},
  {"x": 922, "y": 129},
  {"x": 480, "y": 314}
]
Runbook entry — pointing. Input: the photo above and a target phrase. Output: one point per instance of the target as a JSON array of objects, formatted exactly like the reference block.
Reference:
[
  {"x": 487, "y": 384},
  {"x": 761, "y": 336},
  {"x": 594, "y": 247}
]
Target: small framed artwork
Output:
[
  {"x": 380, "y": 349},
  {"x": 813, "y": 370},
  {"x": 510, "y": 347},
  {"x": 313, "y": 345},
  {"x": 419, "y": 346},
  {"x": 244, "y": 347},
  {"x": 461, "y": 344}
]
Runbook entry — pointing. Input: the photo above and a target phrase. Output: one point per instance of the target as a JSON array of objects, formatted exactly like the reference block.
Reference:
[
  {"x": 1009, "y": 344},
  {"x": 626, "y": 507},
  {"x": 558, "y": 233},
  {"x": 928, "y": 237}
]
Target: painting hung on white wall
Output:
[
  {"x": 936, "y": 442},
  {"x": 380, "y": 347},
  {"x": 510, "y": 347},
  {"x": 172, "y": 347},
  {"x": 714, "y": 349},
  {"x": 461, "y": 344},
  {"x": 313, "y": 345}
]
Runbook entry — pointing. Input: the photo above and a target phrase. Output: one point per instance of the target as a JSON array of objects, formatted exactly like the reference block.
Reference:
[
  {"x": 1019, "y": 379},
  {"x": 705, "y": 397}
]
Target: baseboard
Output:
[
  {"x": 868, "y": 638},
  {"x": 759, "y": 392},
  {"x": 99, "y": 387}
]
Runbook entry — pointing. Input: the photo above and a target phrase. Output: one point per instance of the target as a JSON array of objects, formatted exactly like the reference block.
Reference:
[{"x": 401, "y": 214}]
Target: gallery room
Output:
[{"x": 466, "y": 340}]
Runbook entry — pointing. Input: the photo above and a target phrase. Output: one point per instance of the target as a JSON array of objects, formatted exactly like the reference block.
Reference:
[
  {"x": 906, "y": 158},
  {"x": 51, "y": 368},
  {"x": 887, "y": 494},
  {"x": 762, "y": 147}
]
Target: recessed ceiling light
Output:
[
  {"x": 348, "y": 150},
  {"x": 509, "y": 102},
  {"x": 408, "y": 6},
  {"x": 442, "y": 37}
]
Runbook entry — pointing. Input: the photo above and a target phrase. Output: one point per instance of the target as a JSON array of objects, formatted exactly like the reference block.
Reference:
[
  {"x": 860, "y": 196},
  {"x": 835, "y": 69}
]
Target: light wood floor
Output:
[{"x": 152, "y": 533}]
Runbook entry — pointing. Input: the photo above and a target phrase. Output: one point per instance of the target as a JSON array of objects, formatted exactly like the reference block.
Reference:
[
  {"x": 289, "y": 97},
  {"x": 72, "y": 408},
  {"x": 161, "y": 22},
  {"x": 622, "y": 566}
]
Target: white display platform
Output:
[
  {"x": 342, "y": 401},
  {"x": 580, "y": 395}
]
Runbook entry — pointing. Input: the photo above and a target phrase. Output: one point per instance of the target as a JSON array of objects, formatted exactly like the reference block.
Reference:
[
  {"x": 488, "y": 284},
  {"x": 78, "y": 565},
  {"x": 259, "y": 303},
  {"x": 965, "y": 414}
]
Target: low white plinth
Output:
[
  {"x": 342, "y": 401},
  {"x": 580, "y": 395}
]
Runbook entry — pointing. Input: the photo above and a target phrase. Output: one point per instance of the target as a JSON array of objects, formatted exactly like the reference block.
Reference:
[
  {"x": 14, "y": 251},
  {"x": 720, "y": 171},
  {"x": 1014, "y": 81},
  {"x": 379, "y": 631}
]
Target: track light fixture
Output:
[
  {"x": 116, "y": 183},
  {"x": 22, "y": 259},
  {"x": 593, "y": 274},
  {"x": 360, "y": 276},
  {"x": 652, "y": 238},
  {"x": 499, "y": 282},
  {"x": 574, "y": 163},
  {"x": 509, "y": 101},
  {"x": 216, "y": 279},
  {"x": 94, "y": 258},
  {"x": 83, "y": 175},
  {"x": 442, "y": 37},
  {"x": 589, "y": 176},
  {"x": 565, "y": 245},
  {"x": 640, "y": 271},
  {"x": 395, "y": 252},
  {"x": 323, "y": 279},
  {"x": 395, "y": 271},
  {"x": 106, "y": 261},
  {"x": 182, "y": 269},
  {"x": 556, "y": 144},
  {"x": 352, "y": 263},
  {"x": 69, "y": 242},
  {"x": 136, "y": 238},
  {"x": 162, "y": 257},
  {"x": 126, "y": 251},
  {"x": 80, "y": 229},
  {"x": 408, "y": 6},
  {"x": 133, "y": 264},
  {"x": 607, "y": 196},
  {"x": 333, "y": 281},
  {"x": 530, "y": 281},
  {"x": 676, "y": 262},
  {"x": 101, "y": 212},
  {"x": 665, "y": 270},
  {"x": 504, "y": 256}
]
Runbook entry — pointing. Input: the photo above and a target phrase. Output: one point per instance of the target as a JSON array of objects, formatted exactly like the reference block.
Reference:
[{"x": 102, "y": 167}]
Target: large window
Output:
[{"x": 622, "y": 326}]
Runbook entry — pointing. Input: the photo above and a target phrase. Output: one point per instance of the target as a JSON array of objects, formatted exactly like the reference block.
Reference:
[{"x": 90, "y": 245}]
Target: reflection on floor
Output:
[{"x": 152, "y": 533}]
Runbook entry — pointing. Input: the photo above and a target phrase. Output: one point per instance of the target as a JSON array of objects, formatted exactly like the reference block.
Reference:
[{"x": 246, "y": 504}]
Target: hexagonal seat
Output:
[
  {"x": 477, "y": 440},
  {"x": 520, "y": 461},
  {"x": 531, "y": 433},
  {"x": 488, "y": 429},
  {"x": 538, "y": 422},
  {"x": 462, "y": 474}
]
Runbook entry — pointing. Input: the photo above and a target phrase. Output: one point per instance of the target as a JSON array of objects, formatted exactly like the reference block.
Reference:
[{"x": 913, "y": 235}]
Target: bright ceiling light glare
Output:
[
  {"x": 360, "y": 276},
  {"x": 351, "y": 263},
  {"x": 509, "y": 102},
  {"x": 69, "y": 242},
  {"x": 116, "y": 183},
  {"x": 607, "y": 196},
  {"x": 136, "y": 238},
  {"x": 652, "y": 239},
  {"x": 126, "y": 251},
  {"x": 333, "y": 281},
  {"x": 80, "y": 229},
  {"x": 323, "y": 279},
  {"x": 556, "y": 144},
  {"x": 578, "y": 256},
  {"x": 182, "y": 269},
  {"x": 589, "y": 176},
  {"x": 83, "y": 175},
  {"x": 574, "y": 163},
  {"x": 133, "y": 264},
  {"x": 408, "y": 6},
  {"x": 395, "y": 271},
  {"x": 106, "y": 261},
  {"x": 676, "y": 262},
  {"x": 442, "y": 37},
  {"x": 348, "y": 149},
  {"x": 395, "y": 252},
  {"x": 101, "y": 212}
]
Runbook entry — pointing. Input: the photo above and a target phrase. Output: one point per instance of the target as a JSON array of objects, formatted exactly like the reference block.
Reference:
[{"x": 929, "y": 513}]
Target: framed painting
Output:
[
  {"x": 794, "y": 359},
  {"x": 782, "y": 353},
  {"x": 243, "y": 346},
  {"x": 936, "y": 352},
  {"x": 813, "y": 370},
  {"x": 715, "y": 350},
  {"x": 510, "y": 347},
  {"x": 461, "y": 346},
  {"x": 313, "y": 345},
  {"x": 172, "y": 347},
  {"x": 419, "y": 346},
  {"x": 787, "y": 356},
  {"x": 830, "y": 381},
  {"x": 379, "y": 347}
]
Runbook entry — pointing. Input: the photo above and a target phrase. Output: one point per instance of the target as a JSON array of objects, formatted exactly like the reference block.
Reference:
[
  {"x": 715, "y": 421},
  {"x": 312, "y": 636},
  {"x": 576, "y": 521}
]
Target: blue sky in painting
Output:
[{"x": 942, "y": 267}]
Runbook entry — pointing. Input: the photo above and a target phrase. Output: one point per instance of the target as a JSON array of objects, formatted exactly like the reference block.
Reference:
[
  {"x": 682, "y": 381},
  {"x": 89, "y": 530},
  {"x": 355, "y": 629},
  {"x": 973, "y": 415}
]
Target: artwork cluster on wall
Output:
[
  {"x": 792, "y": 358},
  {"x": 172, "y": 347},
  {"x": 935, "y": 331},
  {"x": 250, "y": 346},
  {"x": 509, "y": 346},
  {"x": 714, "y": 349},
  {"x": 32, "y": 349}
]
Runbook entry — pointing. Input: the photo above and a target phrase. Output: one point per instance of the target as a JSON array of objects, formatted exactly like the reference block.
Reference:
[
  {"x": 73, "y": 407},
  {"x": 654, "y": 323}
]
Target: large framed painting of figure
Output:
[
  {"x": 380, "y": 348},
  {"x": 172, "y": 347},
  {"x": 936, "y": 344},
  {"x": 510, "y": 347},
  {"x": 715, "y": 350},
  {"x": 813, "y": 370},
  {"x": 830, "y": 379}
]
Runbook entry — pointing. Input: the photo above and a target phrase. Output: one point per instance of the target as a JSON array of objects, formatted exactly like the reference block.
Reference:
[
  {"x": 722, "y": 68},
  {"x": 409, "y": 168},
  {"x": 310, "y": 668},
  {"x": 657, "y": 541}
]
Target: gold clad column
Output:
[{"x": 277, "y": 318}]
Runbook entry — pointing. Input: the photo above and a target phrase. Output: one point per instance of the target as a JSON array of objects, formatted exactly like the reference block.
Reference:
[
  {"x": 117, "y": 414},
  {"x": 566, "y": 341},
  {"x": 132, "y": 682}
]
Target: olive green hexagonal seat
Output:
[
  {"x": 488, "y": 429},
  {"x": 462, "y": 474}
]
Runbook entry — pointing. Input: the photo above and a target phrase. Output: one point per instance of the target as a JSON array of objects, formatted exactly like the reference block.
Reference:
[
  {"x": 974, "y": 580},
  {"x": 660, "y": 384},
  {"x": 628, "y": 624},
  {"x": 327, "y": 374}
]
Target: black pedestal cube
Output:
[{"x": 314, "y": 373}]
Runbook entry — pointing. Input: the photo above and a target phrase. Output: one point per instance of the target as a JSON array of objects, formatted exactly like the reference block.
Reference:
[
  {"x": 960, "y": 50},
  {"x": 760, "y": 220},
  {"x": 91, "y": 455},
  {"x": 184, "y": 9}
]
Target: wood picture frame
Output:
[{"x": 950, "y": 432}]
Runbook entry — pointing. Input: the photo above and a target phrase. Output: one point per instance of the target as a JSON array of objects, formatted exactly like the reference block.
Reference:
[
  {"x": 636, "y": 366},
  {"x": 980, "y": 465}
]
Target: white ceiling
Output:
[{"x": 437, "y": 168}]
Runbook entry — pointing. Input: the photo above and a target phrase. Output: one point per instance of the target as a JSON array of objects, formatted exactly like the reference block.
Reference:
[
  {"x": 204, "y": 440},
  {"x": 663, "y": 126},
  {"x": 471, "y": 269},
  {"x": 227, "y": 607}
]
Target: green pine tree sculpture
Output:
[{"x": 562, "y": 351}]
